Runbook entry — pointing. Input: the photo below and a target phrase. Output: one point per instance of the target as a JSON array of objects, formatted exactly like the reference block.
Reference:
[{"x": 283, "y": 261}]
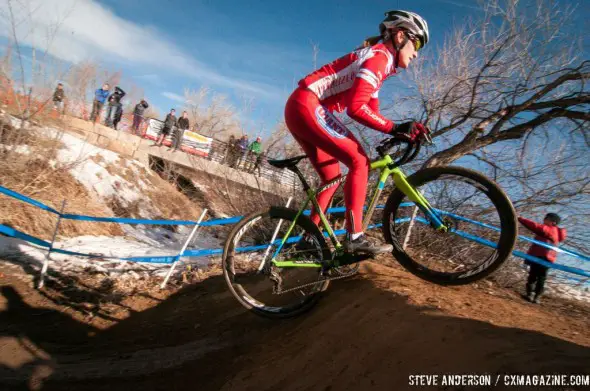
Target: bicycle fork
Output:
[{"x": 418, "y": 199}]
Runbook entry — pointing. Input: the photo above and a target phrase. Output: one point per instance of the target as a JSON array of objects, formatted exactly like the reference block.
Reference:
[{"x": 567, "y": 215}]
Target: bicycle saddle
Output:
[{"x": 286, "y": 163}]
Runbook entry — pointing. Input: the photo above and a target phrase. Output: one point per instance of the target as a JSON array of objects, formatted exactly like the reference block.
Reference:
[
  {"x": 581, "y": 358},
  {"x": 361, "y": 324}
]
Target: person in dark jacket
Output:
[
  {"x": 138, "y": 115},
  {"x": 183, "y": 124},
  {"x": 230, "y": 148},
  {"x": 100, "y": 97},
  {"x": 549, "y": 233},
  {"x": 58, "y": 98},
  {"x": 167, "y": 127},
  {"x": 242, "y": 150},
  {"x": 115, "y": 108}
]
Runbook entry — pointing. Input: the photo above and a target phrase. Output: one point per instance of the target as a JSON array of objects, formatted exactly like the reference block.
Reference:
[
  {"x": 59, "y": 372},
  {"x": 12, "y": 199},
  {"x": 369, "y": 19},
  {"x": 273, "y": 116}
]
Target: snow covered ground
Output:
[
  {"x": 146, "y": 244},
  {"x": 89, "y": 165}
]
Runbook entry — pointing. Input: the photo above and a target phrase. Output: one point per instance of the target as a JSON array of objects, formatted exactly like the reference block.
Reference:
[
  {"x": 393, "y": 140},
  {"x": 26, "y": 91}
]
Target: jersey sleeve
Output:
[
  {"x": 539, "y": 229},
  {"x": 363, "y": 105},
  {"x": 374, "y": 102}
]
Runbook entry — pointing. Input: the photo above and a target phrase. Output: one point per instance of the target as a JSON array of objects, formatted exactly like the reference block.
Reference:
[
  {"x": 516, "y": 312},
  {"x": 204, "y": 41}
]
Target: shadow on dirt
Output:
[{"x": 360, "y": 336}]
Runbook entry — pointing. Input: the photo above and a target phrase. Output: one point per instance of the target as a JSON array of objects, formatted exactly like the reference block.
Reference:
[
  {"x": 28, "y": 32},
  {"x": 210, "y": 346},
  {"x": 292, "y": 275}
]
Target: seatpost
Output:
[{"x": 301, "y": 178}]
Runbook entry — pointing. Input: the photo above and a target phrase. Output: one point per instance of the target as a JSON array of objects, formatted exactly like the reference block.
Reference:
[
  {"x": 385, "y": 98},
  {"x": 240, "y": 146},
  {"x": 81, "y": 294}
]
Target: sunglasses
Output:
[{"x": 415, "y": 40}]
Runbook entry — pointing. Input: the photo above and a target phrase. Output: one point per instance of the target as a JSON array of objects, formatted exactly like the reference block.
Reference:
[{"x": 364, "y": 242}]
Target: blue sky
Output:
[
  {"x": 266, "y": 44},
  {"x": 247, "y": 50},
  {"x": 255, "y": 50}
]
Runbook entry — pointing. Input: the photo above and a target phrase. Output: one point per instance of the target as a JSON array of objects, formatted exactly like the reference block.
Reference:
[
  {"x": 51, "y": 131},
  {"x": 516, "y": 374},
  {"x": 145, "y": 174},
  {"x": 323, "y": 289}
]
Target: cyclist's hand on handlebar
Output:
[{"x": 412, "y": 131}]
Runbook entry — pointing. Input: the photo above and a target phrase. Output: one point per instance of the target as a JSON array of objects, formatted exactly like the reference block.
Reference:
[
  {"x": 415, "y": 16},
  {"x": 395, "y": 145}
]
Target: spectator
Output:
[
  {"x": 58, "y": 98},
  {"x": 169, "y": 124},
  {"x": 100, "y": 96},
  {"x": 115, "y": 109},
  {"x": 242, "y": 150},
  {"x": 549, "y": 233},
  {"x": 255, "y": 150},
  {"x": 229, "y": 153},
  {"x": 183, "y": 124},
  {"x": 138, "y": 116},
  {"x": 257, "y": 164}
]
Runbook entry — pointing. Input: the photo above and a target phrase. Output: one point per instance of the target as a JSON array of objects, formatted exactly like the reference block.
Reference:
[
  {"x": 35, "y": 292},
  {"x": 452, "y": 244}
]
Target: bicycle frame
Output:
[{"x": 387, "y": 168}]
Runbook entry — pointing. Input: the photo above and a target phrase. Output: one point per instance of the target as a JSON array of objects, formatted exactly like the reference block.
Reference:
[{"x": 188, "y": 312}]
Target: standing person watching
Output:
[
  {"x": 100, "y": 96},
  {"x": 549, "y": 233}
]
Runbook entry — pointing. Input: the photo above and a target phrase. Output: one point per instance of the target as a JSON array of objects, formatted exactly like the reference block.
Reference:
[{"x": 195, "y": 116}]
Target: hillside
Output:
[
  {"x": 369, "y": 332},
  {"x": 52, "y": 166},
  {"x": 106, "y": 325}
]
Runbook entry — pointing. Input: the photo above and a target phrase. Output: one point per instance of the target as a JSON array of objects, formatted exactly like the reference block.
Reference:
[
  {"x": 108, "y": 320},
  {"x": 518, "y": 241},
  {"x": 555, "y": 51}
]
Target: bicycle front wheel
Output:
[
  {"x": 258, "y": 283},
  {"x": 481, "y": 221}
]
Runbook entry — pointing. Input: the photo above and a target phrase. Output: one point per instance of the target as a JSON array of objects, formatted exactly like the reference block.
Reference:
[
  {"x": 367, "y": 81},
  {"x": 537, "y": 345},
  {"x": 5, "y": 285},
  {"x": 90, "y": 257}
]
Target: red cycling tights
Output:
[{"x": 326, "y": 141}]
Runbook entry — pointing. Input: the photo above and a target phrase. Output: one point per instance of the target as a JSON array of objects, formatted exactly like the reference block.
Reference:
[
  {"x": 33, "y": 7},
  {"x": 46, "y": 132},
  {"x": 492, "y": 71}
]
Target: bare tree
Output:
[
  {"x": 210, "y": 114},
  {"x": 511, "y": 74},
  {"x": 13, "y": 18},
  {"x": 81, "y": 83},
  {"x": 315, "y": 51}
]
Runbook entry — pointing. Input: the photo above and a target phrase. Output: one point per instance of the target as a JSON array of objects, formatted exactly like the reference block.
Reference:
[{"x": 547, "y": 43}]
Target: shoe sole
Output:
[{"x": 358, "y": 251}]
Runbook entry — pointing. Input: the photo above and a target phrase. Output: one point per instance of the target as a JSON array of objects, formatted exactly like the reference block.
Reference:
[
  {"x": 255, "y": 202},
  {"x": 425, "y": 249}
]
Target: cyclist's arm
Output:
[
  {"x": 374, "y": 102},
  {"x": 363, "y": 106}
]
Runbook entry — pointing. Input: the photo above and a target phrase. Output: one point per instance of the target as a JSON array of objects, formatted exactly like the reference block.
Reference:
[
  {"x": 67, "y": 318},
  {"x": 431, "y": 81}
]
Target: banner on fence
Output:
[
  {"x": 196, "y": 143},
  {"x": 192, "y": 142}
]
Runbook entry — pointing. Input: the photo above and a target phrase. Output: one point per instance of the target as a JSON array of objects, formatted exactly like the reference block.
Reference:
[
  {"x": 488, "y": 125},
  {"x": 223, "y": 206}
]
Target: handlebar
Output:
[{"x": 411, "y": 149}]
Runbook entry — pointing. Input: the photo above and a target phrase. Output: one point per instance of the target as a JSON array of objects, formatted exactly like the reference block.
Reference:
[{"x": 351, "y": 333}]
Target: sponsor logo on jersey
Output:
[
  {"x": 330, "y": 123},
  {"x": 371, "y": 114}
]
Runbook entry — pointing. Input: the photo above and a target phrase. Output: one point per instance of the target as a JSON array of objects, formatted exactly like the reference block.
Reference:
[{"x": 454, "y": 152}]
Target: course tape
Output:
[
  {"x": 542, "y": 244},
  {"x": 167, "y": 259},
  {"x": 26, "y": 199}
]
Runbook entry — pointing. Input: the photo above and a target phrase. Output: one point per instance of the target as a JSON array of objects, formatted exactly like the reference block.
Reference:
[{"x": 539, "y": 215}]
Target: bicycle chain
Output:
[{"x": 317, "y": 282}]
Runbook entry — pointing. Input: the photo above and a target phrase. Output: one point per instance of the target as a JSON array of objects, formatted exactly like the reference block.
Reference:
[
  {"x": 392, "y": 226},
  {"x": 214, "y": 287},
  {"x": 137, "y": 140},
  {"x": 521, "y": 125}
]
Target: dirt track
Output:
[{"x": 369, "y": 332}]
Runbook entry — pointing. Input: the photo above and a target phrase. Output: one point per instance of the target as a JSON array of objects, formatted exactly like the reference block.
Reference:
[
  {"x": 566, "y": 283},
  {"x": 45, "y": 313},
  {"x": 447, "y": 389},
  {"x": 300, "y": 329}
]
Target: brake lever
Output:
[{"x": 428, "y": 140}]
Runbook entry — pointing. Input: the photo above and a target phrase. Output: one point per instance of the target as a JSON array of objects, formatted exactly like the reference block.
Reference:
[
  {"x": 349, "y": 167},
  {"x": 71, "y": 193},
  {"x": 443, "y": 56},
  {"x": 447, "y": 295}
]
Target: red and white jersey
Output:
[{"x": 352, "y": 83}]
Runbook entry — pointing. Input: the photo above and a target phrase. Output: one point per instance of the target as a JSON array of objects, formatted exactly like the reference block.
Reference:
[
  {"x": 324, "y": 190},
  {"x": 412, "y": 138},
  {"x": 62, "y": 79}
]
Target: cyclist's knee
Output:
[{"x": 359, "y": 162}]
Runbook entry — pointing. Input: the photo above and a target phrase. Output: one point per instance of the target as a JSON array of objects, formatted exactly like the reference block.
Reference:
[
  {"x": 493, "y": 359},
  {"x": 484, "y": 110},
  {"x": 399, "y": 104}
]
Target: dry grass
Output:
[
  {"x": 31, "y": 174},
  {"x": 163, "y": 195},
  {"x": 172, "y": 204}
]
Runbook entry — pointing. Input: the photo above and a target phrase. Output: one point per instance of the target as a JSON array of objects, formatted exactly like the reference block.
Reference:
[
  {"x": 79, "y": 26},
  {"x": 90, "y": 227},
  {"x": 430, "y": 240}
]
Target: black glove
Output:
[{"x": 411, "y": 130}]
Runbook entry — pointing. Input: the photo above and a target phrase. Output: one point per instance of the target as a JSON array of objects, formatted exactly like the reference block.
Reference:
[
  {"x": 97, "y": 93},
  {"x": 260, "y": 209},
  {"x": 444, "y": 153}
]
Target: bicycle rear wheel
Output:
[
  {"x": 471, "y": 206},
  {"x": 256, "y": 282}
]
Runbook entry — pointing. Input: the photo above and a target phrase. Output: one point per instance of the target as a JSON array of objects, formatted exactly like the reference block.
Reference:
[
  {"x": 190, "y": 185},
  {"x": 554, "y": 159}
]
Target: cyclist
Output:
[{"x": 352, "y": 83}]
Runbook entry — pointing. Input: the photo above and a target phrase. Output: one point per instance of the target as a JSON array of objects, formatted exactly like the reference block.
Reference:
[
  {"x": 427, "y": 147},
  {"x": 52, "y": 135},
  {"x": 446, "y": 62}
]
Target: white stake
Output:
[
  {"x": 274, "y": 235},
  {"x": 184, "y": 246},
  {"x": 412, "y": 221},
  {"x": 47, "y": 256}
]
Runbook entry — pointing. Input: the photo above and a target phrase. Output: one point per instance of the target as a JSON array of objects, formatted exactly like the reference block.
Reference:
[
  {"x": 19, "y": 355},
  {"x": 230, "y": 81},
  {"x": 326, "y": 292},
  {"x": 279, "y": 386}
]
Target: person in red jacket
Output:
[
  {"x": 549, "y": 233},
  {"x": 351, "y": 83}
]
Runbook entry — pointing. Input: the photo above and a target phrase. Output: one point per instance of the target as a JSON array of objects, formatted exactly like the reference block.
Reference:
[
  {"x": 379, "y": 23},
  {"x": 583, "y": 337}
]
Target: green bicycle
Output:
[{"x": 441, "y": 222}]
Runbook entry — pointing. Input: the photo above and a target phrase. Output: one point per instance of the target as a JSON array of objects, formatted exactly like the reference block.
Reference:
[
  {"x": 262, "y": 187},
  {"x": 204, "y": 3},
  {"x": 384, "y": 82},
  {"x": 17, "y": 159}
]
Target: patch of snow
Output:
[
  {"x": 88, "y": 164},
  {"x": 16, "y": 123},
  {"x": 23, "y": 149},
  {"x": 140, "y": 243}
]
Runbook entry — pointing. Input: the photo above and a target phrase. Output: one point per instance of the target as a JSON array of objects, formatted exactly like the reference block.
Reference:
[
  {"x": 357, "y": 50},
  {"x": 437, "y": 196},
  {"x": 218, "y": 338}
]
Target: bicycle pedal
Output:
[{"x": 350, "y": 258}]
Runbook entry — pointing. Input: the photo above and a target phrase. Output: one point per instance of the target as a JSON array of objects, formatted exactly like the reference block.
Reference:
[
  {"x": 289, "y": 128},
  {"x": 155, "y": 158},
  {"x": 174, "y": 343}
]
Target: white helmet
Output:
[{"x": 409, "y": 21}]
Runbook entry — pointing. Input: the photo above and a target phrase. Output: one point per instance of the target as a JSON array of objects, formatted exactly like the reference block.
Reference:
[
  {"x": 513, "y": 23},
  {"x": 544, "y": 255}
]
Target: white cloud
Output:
[
  {"x": 464, "y": 5},
  {"x": 151, "y": 78},
  {"x": 173, "y": 96},
  {"x": 89, "y": 30}
]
